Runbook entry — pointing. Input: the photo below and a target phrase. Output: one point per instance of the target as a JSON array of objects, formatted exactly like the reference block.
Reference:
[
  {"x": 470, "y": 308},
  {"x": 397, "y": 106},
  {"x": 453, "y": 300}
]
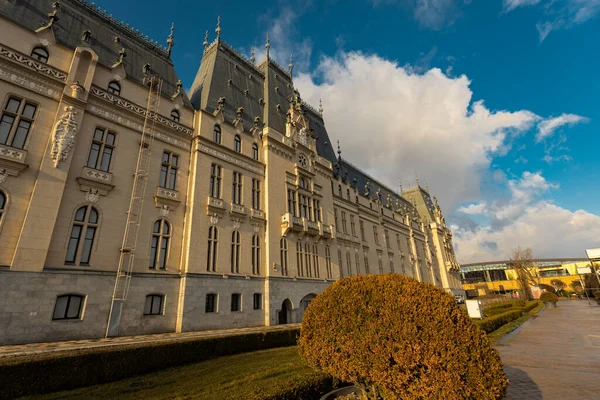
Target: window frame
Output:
[
  {"x": 237, "y": 143},
  {"x": 175, "y": 115},
  {"x": 161, "y": 307},
  {"x": 256, "y": 254},
  {"x": 255, "y": 151},
  {"x": 85, "y": 226},
  {"x": 79, "y": 316},
  {"x": 158, "y": 256},
  {"x": 19, "y": 121},
  {"x": 328, "y": 262},
  {"x": 212, "y": 249},
  {"x": 257, "y": 303},
  {"x": 215, "y": 303},
  {"x": 114, "y": 88},
  {"x": 283, "y": 255},
  {"x": 45, "y": 56},
  {"x": 101, "y": 151},
  {"x": 217, "y": 134},
  {"x": 235, "y": 251},
  {"x": 169, "y": 170},
  {"x": 216, "y": 181},
  {"x": 236, "y": 306},
  {"x": 237, "y": 194},
  {"x": 256, "y": 194}
]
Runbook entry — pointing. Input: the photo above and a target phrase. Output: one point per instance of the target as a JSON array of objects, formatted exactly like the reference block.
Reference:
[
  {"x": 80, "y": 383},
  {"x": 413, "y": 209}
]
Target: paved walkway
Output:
[
  {"x": 556, "y": 355},
  {"x": 53, "y": 347}
]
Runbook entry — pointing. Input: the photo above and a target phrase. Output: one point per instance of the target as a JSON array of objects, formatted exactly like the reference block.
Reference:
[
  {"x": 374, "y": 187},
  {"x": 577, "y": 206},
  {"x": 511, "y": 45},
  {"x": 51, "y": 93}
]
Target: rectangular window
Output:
[
  {"x": 168, "y": 170},
  {"x": 335, "y": 216},
  {"x": 352, "y": 225},
  {"x": 211, "y": 303},
  {"x": 236, "y": 302},
  {"x": 101, "y": 150},
  {"x": 328, "y": 262},
  {"x": 154, "y": 305},
  {"x": 344, "y": 229},
  {"x": 73, "y": 244},
  {"x": 15, "y": 122},
  {"x": 362, "y": 230},
  {"x": 376, "y": 235},
  {"x": 292, "y": 202},
  {"x": 215, "y": 181},
  {"x": 257, "y": 301},
  {"x": 236, "y": 188},
  {"x": 398, "y": 243},
  {"x": 318, "y": 211},
  {"x": 387, "y": 238},
  {"x": 256, "y": 194},
  {"x": 68, "y": 307}
]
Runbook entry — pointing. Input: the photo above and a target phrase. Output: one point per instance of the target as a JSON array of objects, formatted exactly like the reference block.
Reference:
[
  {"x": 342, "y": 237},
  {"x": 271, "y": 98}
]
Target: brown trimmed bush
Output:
[
  {"x": 400, "y": 339},
  {"x": 508, "y": 304},
  {"x": 531, "y": 305},
  {"x": 548, "y": 297},
  {"x": 490, "y": 324}
]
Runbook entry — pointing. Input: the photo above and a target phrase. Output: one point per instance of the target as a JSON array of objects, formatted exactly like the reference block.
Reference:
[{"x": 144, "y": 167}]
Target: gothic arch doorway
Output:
[{"x": 285, "y": 314}]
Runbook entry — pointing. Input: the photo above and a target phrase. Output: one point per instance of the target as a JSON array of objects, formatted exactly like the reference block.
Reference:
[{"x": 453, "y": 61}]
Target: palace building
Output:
[{"x": 128, "y": 206}]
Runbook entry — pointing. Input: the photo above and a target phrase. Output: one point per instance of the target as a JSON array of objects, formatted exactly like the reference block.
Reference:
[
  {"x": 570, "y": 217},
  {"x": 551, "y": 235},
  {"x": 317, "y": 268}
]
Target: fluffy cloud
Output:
[
  {"x": 435, "y": 14},
  {"x": 547, "y": 127},
  {"x": 550, "y": 230},
  {"x": 512, "y": 4},
  {"x": 393, "y": 122},
  {"x": 526, "y": 220}
]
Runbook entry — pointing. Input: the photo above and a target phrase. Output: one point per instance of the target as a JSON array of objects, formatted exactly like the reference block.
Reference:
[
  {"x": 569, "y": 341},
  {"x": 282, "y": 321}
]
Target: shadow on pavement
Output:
[{"x": 521, "y": 386}]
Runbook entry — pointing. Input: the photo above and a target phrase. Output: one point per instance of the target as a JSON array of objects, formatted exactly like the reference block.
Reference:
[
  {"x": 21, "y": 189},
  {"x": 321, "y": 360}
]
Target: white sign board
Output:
[
  {"x": 584, "y": 270},
  {"x": 474, "y": 309},
  {"x": 593, "y": 253}
]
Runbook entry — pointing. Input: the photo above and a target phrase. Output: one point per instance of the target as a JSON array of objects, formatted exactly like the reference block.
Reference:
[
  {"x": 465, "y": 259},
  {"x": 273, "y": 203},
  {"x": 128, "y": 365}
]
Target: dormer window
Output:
[
  {"x": 40, "y": 54},
  {"x": 114, "y": 88},
  {"x": 217, "y": 134},
  {"x": 175, "y": 115},
  {"x": 237, "y": 143}
]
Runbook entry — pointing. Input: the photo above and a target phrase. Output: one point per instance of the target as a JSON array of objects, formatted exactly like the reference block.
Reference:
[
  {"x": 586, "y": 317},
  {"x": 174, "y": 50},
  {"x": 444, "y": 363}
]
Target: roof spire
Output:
[
  {"x": 339, "y": 151},
  {"x": 400, "y": 184},
  {"x": 170, "y": 40},
  {"x": 205, "y": 40},
  {"x": 291, "y": 65},
  {"x": 218, "y": 30},
  {"x": 417, "y": 179},
  {"x": 252, "y": 59},
  {"x": 320, "y": 108},
  {"x": 268, "y": 46}
]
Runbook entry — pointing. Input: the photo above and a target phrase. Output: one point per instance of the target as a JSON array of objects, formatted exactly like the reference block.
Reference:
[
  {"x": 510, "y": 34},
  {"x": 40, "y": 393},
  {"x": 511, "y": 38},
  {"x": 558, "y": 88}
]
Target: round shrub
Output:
[
  {"x": 400, "y": 339},
  {"x": 548, "y": 297}
]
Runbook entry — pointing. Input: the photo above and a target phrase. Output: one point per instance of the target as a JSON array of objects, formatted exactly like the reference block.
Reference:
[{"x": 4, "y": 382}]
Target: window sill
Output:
[{"x": 12, "y": 160}]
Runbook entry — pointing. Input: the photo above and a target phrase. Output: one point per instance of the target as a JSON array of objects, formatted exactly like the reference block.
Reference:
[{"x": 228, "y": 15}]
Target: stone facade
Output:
[{"x": 245, "y": 205}]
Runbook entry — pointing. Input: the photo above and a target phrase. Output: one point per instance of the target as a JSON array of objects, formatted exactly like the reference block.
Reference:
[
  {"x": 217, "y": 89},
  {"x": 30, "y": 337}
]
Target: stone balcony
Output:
[
  {"x": 94, "y": 179},
  {"x": 291, "y": 223},
  {"x": 259, "y": 214},
  {"x": 312, "y": 227},
  {"x": 325, "y": 231},
  {"x": 238, "y": 209},
  {"x": 166, "y": 197}
]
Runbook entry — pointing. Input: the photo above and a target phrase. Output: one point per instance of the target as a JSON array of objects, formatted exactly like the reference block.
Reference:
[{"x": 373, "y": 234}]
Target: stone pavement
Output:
[
  {"x": 54, "y": 347},
  {"x": 556, "y": 355}
]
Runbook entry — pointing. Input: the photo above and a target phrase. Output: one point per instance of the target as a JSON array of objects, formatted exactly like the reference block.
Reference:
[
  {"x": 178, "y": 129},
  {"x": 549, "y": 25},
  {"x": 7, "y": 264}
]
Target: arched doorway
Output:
[
  {"x": 304, "y": 303},
  {"x": 285, "y": 314}
]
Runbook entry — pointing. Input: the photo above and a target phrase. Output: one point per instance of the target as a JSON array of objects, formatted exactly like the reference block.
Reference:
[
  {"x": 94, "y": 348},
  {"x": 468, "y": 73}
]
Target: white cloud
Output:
[
  {"x": 550, "y": 230},
  {"x": 393, "y": 122},
  {"x": 526, "y": 220},
  {"x": 547, "y": 127},
  {"x": 563, "y": 14},
  {"x": 512, "y": 4},
  {"x": 435, "y": 14}
]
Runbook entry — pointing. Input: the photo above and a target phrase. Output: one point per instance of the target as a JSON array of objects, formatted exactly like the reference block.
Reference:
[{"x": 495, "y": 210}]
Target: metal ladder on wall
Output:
[{"x": 134, "y": 213}]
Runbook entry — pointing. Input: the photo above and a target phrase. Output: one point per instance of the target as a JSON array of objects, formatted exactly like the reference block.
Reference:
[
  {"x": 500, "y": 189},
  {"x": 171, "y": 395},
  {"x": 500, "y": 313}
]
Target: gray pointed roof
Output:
[{"x": 77, "y": 16}]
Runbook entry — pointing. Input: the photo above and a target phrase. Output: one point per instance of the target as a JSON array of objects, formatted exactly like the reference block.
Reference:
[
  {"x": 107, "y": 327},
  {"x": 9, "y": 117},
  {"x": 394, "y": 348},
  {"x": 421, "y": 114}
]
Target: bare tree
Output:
[
  {"x": 558, "y": 285},
  {"x": 521, "y": 261}
]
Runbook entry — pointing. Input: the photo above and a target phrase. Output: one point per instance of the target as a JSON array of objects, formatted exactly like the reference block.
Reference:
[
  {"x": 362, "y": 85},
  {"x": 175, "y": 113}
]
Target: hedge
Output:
[
  {"x": 530, "y": 306},
  {"x": 508, "y": 304},
  {"x": 49, "y": 373},
  {"x": 311, "y": 387},
  {"x": 492, "y": 323}
]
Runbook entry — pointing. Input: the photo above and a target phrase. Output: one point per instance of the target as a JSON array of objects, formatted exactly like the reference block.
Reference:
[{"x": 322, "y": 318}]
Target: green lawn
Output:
[{"x": 255, "y": 375}]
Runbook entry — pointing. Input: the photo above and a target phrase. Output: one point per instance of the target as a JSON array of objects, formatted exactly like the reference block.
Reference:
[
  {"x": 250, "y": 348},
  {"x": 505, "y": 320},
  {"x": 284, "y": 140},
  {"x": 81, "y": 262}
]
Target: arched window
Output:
[
  {"x": 86, "y": 223},
  {"x": 316, "y": 260},
  {"x": 114, "y": 88},
  {"x": 213, "y": 241},
  {"x": 328, "y": 261},
  {"x": 299, "y": 261},
  {"x": 68, "y": 306},
  {"x": 2, "y": 205},
  {"x": 349, "y": 263},
  {"x": 235, "y": 252},
  {"x": 237, "y": 143},
  {"x": 392, "y": 265},
  {"x": 340, "y": 263},
  {"x": 40, "y": 54},
  {"x": 308, "y": 260},
  {"x": 366, "y": 264},
  {"x": 283, "y": 255},
  {"x": 256, "y": 255},
  {"x": 255, "y": 151},
  {"x": 175, "y": 115},
  {"x": 159, "y": 251},
  {"x": 380, "y": 264},
  {"x": 357, "y": 261},
  {"x": 217, "y": 134},
  {"x": 154, "y": 304}
]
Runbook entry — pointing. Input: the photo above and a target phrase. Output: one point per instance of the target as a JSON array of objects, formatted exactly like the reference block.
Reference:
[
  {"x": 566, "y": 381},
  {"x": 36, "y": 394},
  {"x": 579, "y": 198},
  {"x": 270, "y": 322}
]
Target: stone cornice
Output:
[
  {"x": 243, "y": 162},
  {"x": 140, "y": 110},
  {"x": 30, "y": 80},
  {"x": 32, "y": 64}
]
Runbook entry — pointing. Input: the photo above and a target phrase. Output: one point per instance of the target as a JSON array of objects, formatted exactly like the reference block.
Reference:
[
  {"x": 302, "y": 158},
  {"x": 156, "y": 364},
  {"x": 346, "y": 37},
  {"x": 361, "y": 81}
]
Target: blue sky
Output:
[{"x": 493, "y": 102}]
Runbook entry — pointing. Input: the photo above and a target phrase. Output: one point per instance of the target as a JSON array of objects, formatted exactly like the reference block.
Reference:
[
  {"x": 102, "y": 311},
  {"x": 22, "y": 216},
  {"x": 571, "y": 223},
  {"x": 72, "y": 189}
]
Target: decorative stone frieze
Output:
[
  {"x": 38, "y": 66},
  {"x": 238, "y": 209},
  {"x": 214, "y": 205},
  {"x": 30, "y": 82},
  {"x": 230, "y": 159},
  {"x": 257, "y": 214}
]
